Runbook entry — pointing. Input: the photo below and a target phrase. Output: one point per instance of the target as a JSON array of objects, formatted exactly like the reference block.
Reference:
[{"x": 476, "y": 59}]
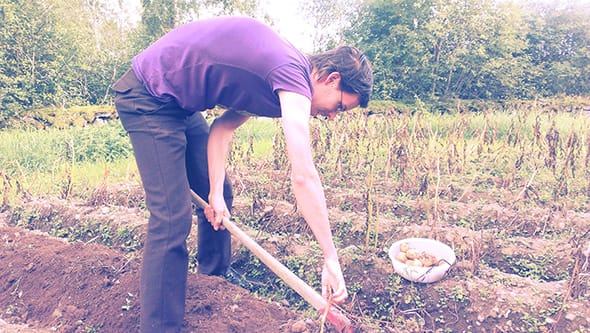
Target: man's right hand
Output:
[{"x": 216, "y": 211}]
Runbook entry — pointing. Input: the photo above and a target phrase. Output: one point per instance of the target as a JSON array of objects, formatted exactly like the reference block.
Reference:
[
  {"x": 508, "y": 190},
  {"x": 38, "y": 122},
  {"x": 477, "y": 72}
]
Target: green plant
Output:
[{"x": 93, "y": 329}]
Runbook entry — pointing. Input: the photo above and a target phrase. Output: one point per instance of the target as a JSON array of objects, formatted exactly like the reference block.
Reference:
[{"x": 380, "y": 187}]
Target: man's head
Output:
[
  {"x": 342, "y": 80},
  {"x": 348, "y": 68}
]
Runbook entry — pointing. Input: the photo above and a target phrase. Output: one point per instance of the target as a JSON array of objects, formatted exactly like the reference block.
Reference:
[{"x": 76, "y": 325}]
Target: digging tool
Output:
[{"x": 334, "y": 316}]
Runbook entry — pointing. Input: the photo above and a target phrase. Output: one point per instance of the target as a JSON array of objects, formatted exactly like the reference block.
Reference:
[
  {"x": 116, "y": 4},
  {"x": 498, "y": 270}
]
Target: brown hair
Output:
[{"x": 354, "y": 68}]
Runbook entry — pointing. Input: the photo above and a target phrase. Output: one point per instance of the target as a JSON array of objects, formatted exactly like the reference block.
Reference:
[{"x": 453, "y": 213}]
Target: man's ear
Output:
[{"x": 333, "y": 78}]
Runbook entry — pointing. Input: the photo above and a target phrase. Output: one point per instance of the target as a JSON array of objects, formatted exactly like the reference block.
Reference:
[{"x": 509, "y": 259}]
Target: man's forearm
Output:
[
  {"x": 220, "y": 137},
  {"x": 312, "y": 204}
]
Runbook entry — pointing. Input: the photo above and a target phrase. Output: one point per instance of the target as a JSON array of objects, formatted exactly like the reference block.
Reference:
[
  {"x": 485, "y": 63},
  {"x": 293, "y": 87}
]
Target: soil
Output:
[
  {"x": 48, "y": 284},
  {"x": 76, "y": 287}
]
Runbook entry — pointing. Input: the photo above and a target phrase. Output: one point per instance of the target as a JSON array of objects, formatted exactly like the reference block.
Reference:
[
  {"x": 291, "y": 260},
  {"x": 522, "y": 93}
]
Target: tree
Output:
[
  {"x": 474, "y": 49},
  {"x": 559, "y": 47},
  {"x": 392, "y": 35},
  {"x": 97, "y": 49},
  {"x": 32, "y": 56},
  {"x": 329, "y": 19},
  {"x": 56, "y": 52},
  {"x": 478, "y": 49},
  {"x": 161, "y": 16}
]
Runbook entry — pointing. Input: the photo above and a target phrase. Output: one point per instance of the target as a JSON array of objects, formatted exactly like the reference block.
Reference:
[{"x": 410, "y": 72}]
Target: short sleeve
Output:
[{"x": 291, "y": 77}]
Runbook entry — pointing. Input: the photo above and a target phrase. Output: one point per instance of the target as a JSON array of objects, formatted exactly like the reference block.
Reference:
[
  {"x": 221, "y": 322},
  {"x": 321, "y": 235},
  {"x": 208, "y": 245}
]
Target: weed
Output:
[
  {"x": 534, "y": 266},
  {"x": 93, "y": 329},
  {"x": 459, "y": 295},
  {"x": 128, "y": 302},
  {"x": 354, "y": 288}
]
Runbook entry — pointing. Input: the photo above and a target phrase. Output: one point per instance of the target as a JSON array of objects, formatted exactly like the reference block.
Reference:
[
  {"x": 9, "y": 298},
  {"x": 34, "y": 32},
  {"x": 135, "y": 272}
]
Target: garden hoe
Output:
[{"x": 333, "y": 315}]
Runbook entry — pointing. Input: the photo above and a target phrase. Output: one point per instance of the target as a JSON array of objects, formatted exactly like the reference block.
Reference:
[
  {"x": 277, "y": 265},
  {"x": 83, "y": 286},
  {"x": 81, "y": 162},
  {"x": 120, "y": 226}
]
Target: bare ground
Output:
[
  {"x": 48, "y": 284},
  {"x": 75, "y": 287}
]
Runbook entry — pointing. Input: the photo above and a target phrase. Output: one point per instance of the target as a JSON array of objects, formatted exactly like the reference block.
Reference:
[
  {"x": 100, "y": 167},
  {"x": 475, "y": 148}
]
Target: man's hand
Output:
[
  {"x": 333, "y": 285},
  {"x": 215, "y": 212}
]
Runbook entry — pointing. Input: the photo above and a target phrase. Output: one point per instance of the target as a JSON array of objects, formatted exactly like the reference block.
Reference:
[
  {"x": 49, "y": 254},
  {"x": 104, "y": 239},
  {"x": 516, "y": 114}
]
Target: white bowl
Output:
[{"x": 423, "y": 274}]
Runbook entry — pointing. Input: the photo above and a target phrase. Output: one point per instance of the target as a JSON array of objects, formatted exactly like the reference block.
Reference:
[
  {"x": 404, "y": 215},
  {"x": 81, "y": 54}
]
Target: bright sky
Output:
[
  {"x": 289, "y": 20},
  {"x": 288, "y": 17}
]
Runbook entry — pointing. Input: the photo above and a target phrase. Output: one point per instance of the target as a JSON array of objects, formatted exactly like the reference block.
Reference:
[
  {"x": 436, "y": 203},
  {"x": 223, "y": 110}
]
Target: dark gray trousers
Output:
[{"x": 170, "y": 147}]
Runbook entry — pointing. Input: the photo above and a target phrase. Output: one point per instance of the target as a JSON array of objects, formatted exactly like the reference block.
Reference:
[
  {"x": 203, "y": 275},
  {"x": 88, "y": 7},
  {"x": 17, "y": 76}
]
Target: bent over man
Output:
[{"x": 243, "y": 66}]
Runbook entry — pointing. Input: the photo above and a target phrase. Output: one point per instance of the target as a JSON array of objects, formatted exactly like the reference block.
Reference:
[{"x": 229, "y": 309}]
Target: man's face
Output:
[{"x": 329, "y": 99}]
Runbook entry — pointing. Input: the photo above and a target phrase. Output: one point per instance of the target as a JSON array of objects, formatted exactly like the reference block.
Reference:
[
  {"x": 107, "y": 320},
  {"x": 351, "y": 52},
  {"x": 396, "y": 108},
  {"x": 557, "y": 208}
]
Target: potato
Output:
[
  {"x": 404, "y": 247},
  {"x": 401, "y": 257},
  {"x": 413, "y": 257},
  {"x": 415, "y": 262},
  {"x": 427, "y": 259},
  {"x": 412, "y": 254}
]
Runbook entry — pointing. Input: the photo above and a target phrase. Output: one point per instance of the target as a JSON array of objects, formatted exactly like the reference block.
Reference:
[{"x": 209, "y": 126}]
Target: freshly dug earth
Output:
[{"x": 51, "y": 285}]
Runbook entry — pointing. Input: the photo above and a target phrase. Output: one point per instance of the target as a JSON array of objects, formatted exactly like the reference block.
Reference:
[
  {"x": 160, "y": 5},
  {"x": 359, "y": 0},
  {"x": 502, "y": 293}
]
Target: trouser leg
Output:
[
  {"x": 213, "y": 247},
  {"x": 157, "y": 133},
  {"x": 165, "y": 258}
]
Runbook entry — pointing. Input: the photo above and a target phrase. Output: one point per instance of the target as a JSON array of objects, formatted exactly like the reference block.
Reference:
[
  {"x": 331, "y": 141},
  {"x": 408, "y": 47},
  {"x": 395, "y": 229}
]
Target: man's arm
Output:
[
  {"x": 307, "y": 186},
  {"x": 220, "y": 136}
]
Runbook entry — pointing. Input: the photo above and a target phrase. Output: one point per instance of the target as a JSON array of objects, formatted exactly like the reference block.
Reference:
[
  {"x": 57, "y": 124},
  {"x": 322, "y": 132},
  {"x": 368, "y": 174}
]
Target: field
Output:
[{"x": 507, "y": 187}]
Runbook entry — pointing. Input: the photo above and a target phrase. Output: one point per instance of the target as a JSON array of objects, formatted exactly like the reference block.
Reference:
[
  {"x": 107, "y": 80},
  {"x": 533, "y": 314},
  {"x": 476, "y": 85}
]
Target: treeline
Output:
[
  {"x": 476, "y": 49},
  {"x": 68, "y": 52}
]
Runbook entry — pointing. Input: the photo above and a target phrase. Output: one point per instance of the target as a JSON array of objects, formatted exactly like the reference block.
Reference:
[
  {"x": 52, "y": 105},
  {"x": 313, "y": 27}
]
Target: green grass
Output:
[
  {"x": 547, "y": 149},
  {"x": 47, "y": 150},
  {"x": 259, "y": 132}
]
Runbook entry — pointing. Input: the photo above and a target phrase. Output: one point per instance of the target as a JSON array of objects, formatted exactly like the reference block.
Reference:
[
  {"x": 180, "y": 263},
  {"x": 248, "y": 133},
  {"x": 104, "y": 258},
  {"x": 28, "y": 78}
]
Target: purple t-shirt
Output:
[{"x": 233, "y": 62}]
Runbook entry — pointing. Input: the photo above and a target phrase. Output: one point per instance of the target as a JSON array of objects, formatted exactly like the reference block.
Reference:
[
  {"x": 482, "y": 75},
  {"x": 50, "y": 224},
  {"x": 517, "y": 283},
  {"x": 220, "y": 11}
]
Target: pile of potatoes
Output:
[{"x": 413, "y": 257}]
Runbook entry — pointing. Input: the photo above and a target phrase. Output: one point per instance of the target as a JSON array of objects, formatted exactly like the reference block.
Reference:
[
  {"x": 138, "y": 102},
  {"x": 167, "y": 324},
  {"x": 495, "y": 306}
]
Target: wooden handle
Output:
[{"x": 292, "y": 280}]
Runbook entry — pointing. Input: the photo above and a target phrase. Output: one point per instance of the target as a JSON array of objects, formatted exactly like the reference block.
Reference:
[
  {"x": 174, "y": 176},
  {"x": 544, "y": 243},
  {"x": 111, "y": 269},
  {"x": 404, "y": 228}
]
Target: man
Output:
[{"x": 243, "y": 66}]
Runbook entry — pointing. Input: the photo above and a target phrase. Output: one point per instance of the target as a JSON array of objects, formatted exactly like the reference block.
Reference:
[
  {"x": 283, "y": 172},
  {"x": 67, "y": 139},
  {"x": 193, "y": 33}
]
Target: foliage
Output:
[
  {"x": 474, "y": 49},
  {"x": 31, "y": 55},
  {"x": 28, "y": 151},
  {"x": 161, "y": 16},
  {"x": 559, "y": 48},
  {"x": 329, "y": 17},
  {"x": 56, "y": 52},
  {"x": 64, "y": 53}
]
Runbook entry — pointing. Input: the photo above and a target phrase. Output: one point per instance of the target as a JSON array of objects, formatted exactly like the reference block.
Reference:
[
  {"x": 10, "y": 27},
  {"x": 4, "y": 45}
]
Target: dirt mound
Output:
[
  {"x": 76, "y": 287},
  {"x": 507, "y": 278}
]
